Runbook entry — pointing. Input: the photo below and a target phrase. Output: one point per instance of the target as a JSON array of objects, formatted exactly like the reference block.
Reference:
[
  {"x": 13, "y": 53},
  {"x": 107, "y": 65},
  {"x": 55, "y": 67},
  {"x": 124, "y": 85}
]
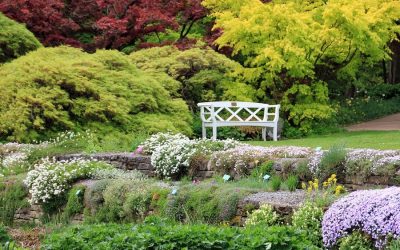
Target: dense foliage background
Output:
[{"x": 328, "y": 63}]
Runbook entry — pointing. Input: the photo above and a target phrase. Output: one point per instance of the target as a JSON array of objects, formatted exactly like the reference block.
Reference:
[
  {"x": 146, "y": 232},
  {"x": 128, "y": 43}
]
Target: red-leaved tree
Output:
[
  {"x": 45, "y": 18},
  {"x": 102, "y": 23}
]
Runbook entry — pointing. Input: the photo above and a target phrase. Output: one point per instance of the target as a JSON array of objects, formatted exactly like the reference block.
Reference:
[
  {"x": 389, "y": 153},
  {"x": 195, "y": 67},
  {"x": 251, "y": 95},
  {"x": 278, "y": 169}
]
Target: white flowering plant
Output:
[
  {"x": 171, "y": 154},
  {"x": 157, "y": 140},
  {"x": 13, "y": 157},
  {"x": 50, "y": 178}
]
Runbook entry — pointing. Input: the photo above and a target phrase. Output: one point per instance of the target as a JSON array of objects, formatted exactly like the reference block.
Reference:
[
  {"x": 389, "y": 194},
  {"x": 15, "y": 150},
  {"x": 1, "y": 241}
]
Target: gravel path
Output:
[
  {"x": 391, "y": 122},
  {"x": 279, "y": 199}
]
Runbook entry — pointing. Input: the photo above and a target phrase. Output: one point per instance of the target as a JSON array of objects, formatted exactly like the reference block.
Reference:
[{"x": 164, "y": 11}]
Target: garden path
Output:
[{"x": 391, "y": 122}]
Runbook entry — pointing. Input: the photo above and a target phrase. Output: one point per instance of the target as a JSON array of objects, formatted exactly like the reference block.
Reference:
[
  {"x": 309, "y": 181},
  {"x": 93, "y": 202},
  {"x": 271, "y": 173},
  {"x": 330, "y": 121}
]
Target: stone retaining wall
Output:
[
  {"x": 129, "y": 161},
  {"x": 125, "y": 161},
  {"x": 31, "y": 214}
]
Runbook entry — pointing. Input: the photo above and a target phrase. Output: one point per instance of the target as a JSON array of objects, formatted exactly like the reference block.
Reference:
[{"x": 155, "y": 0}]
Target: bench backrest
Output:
[{"x": 238, "y": 112}]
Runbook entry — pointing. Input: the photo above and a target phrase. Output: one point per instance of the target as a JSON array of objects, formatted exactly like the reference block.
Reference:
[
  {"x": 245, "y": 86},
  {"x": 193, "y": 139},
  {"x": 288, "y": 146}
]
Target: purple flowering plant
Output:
[{"x": 373, "y": 212}]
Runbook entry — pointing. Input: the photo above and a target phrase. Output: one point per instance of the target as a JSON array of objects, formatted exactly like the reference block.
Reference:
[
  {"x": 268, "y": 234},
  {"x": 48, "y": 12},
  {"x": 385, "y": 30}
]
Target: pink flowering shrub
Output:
[{"x": 373, "y": 212}]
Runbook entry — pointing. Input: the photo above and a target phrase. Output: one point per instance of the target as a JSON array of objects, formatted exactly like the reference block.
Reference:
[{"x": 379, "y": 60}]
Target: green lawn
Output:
[{"x": 361, "y": 139}]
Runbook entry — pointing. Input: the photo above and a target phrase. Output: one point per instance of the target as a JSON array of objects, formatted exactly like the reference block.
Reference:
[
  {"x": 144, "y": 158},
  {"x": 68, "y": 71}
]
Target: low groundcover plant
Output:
[{"x": 373, "y": 212}]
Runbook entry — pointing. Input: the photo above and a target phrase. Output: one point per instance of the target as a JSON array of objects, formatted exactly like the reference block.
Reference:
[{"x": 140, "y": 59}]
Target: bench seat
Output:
[{"x": 236, "y": 114}]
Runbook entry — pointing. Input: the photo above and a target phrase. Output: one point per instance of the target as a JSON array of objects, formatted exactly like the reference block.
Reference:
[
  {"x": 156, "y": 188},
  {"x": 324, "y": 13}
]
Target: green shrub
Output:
[
  {"x": 394, "y": 245},
  {"x": 75, "y": 202},
  {"x": 93, "y": 198},
  {"x": 124, "y": 200},
  {"x": 205, "y": 202},
  {"x": 115, "y": 195},
  {"x": 159, "y": 200},
  {"x": 12, "y": 197},
  {"x": 275, "y": 183},
  {"x": 3, "y": 235},
  {"x": 198, "y": 74},
  {"x": 292, "y": 182},
  {"x": 52, "y": 209},
  {"x": 303, "y": 171},
  {"x": 265, "y": 216},
  {"x": 365, "y": 109},
  {"x": 137, "y": 205},
  {"x": 79, "y": 91},
  {"x": 332, "y": 162},
  {"x": 15, "y": 40},
  {"x": 260, "y": 171},
  {"x": 308, "y": 218},
  {"x": 355, "y": 241},
  {"x": 159, "y": 234}
]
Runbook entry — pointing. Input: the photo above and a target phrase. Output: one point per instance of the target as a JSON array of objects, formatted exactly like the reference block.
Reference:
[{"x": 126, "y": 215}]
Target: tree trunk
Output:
[{"x": 393, "y": 69}]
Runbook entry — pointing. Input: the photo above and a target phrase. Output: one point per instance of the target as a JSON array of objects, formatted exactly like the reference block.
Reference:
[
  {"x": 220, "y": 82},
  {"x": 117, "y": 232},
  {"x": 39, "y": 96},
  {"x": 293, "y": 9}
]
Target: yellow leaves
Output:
[{"x": 296, "y": 36}]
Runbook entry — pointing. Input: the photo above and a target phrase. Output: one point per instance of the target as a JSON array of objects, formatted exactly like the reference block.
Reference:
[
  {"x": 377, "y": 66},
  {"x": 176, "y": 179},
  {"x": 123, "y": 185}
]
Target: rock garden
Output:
[{"x": 170, "y": 183}]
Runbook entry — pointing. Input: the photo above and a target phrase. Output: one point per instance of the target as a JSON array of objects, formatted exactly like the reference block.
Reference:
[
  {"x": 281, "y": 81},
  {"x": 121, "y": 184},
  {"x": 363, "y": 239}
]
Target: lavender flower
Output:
[{"x": 374, "y": 212}]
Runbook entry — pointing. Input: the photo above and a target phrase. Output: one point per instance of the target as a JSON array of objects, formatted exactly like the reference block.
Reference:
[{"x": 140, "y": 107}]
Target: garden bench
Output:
[{"x": 229, "y": 114}]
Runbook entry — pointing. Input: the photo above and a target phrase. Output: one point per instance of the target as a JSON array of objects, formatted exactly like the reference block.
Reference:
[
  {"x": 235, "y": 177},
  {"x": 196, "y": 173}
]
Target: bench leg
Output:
[
  {"x": 264, "y": 134},
  {"x": 214, "y": 136},
  {"x": 275, "y": 133},
  {"x": 204, "y": 131}
]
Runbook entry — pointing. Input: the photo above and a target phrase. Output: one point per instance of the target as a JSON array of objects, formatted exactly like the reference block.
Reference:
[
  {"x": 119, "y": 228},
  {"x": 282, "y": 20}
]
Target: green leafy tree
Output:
[
  {"x": 195, "y": 74},
  {"x": 15, "y": 40},
  {"x": 289, "y": 44},
  {"x": 55, "y": 89}
]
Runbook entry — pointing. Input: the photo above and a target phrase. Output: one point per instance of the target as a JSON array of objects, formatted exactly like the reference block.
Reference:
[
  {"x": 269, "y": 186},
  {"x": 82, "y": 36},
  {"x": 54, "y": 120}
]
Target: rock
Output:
[{"x": 283, "y": 201}]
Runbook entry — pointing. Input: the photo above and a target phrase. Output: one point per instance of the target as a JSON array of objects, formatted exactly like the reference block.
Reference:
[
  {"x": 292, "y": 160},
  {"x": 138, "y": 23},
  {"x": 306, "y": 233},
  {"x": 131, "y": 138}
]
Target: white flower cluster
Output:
[
  {"x": 13, "y": 155},
  {"x": 50, "y": 178},
  {"x": 116, "y": 173},
  {"x": 171, "y": 153},
  {"x": 159, "y": 139},
  {"x": 171, "y": 157}
]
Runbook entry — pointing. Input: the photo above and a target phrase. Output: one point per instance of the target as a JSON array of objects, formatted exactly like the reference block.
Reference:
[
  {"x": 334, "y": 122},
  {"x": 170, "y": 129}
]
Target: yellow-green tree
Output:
[{"x": 293, "y": 47}]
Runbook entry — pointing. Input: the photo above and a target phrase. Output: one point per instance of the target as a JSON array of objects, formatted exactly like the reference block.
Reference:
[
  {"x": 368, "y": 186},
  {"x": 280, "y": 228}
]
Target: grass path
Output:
[{"x": 359, "y": 139}]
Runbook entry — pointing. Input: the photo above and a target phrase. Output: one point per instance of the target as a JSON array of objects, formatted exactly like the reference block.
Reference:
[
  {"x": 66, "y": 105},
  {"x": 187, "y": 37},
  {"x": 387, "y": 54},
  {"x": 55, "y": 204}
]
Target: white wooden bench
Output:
[{"x": 228, "y": 114}]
